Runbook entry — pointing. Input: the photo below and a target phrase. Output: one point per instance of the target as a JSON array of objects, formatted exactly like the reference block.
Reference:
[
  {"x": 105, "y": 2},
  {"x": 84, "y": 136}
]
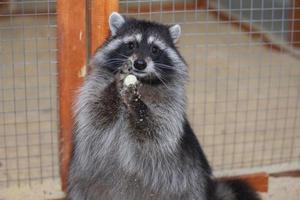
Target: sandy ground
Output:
[
  {"x": 243, "y": 101},
  {"x": 279, "y": 189},
  {"x": 283, "y": 188}
]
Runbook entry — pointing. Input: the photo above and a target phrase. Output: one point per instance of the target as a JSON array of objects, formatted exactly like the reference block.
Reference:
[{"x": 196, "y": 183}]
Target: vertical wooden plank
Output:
[
  {"x": 71, "y": 23},
  {"x": 295, "y": 23},
  {"x": 100, "y": 11}
]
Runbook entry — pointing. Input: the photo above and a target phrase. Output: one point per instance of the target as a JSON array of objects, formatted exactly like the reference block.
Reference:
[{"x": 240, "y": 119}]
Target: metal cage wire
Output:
[
  {"x": 28, "y": 92},
  {"x": 244, "y": 76}
]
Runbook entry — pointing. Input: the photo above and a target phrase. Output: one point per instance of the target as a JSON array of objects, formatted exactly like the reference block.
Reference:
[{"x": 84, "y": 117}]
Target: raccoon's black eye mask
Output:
[
  {"x": 131, "y": 46},
  {"x": 155, "y": 51}
]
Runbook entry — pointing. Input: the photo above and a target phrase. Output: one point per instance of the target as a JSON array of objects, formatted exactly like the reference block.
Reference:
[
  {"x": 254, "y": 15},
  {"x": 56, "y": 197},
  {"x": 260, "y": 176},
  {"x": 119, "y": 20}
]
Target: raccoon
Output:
[{"x": 135, "y": 143}]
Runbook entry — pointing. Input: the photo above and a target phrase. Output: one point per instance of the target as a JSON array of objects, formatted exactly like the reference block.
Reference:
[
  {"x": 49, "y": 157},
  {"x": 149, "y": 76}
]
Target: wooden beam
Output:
[
  {"x": 71, "y": 23},
  {"x": 100, "y": 11},
  {"x": 295, "y": 173},
  {"x": 295, "y": 23},
  {"x": 258, "y": 181}
]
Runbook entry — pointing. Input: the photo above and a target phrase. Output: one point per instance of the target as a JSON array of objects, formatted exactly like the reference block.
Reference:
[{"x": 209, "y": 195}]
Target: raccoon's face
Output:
[{"x": 149, "y": 46}]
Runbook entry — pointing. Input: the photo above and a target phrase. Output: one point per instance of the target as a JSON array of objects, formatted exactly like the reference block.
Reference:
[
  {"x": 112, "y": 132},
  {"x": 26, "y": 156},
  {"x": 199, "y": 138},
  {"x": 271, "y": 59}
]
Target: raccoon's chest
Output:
[
  {"x": 125, "y": 187},
  {"x": 133, "y": 171}
]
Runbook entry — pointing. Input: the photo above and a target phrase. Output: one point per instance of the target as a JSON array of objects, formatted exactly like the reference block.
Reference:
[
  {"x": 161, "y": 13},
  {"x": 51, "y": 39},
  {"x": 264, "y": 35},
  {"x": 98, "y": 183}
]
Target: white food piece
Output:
[{"x": 130, "y": 80}]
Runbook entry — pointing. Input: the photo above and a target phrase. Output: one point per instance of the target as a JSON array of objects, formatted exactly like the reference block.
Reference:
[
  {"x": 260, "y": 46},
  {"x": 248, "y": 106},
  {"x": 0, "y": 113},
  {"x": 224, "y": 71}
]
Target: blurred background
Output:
[{"x": 243, "y": 95}]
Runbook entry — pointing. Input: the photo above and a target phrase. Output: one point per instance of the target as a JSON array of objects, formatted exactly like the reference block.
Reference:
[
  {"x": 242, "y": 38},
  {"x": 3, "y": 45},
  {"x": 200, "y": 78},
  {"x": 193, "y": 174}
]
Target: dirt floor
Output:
[
  {"x": 283, "y": 188},
  {"x": 279, "y": 189}
]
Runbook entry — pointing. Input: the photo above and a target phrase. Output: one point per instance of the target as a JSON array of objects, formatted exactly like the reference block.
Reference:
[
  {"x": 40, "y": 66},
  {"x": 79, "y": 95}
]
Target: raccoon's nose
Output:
[{"x": 140, "y": 64}]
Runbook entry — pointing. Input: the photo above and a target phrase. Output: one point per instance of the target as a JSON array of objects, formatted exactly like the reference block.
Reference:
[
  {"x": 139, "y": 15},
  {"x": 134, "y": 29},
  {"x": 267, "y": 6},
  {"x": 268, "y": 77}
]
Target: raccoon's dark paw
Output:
[{"x": 130, "y": 95}]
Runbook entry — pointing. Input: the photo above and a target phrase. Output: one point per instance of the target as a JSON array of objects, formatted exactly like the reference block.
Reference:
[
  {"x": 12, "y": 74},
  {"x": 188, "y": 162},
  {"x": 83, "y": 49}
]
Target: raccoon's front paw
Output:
[{"x": 130, "y": 95}]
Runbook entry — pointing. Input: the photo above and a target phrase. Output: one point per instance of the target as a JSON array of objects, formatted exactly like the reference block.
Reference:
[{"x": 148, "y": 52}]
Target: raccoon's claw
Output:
[
  {"x": 126, "y": 68},
  {"x": 130, "y": 95},
  {"x": 123, "y": 71}
]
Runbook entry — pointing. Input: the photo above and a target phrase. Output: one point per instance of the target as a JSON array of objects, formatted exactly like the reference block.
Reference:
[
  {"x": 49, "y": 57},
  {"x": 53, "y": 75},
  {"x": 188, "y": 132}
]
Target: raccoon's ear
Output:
[
  {"x": 175, "y": 32},
  {"x": 115, "y": 22}
]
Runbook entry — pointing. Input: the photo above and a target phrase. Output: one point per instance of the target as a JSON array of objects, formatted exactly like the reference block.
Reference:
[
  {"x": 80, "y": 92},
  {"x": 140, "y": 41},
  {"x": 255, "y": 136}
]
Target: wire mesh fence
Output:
[
  {"x": 28, "y": 92},
  {"x": 244, "y": 76}
]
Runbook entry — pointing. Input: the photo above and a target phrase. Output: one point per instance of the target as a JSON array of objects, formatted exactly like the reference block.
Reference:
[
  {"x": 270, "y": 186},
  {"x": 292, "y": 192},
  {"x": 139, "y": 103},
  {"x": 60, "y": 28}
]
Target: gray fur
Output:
[
  {"x": 132, "y": 151},
  {"x": 120, "y": 162},
  {"x": 224, "y": 192},
  {"x": 175, "y": 32},
  {"x": 115, "y": 22}
]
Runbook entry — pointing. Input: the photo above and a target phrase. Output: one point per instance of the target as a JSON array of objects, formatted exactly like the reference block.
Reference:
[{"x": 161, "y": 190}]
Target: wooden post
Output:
[
  {"x": 295, "y": 23},
  {"x": 71, "y": 59},
  {"x": 73, "y": 34},
  {"x": 100, "y": 11}
]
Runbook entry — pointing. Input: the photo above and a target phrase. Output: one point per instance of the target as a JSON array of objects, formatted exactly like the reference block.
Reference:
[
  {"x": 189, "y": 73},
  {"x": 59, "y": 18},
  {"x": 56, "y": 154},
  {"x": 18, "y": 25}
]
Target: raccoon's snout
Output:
[{"x": 140, "y": 64}]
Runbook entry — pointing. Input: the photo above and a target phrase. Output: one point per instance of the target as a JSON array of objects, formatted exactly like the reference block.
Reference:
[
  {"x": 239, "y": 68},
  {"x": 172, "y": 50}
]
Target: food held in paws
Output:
[{"x": 130, "y": 80}]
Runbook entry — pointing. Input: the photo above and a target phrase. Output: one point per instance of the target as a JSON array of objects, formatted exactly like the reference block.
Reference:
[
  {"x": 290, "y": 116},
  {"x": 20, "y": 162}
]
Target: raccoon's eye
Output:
[
  {"x": 131, "y": 45},
  {"x": 155, "y": 50}
]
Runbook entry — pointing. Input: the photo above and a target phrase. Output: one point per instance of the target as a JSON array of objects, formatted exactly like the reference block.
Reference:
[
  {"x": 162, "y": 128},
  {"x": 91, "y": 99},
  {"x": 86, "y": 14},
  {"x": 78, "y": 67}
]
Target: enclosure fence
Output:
[
  {"x": 28, "y": 92},
  {"x": 244, "y": 75}
]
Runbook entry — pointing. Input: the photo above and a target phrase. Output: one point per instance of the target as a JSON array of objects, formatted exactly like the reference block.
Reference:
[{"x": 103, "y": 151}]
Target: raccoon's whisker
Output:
[
  {"x": 115, "y": 70},
  {"x": 116, "y": 59},
  {"x": 161, "y": 79},
  {"x": 163, "y": 83},
  {"x": 160, "y": 66},
  {"x": 151, "y": 78},
  {"x": 124, "y": 56},
  {"x": 164, "y": 65},
  {"x": 112, "y": 62},
  {"x": 161, "y": 72}
]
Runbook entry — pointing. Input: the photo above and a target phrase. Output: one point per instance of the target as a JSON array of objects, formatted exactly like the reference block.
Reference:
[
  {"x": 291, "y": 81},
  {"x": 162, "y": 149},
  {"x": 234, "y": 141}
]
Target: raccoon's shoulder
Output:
[{"x": 191, "y": 147}]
